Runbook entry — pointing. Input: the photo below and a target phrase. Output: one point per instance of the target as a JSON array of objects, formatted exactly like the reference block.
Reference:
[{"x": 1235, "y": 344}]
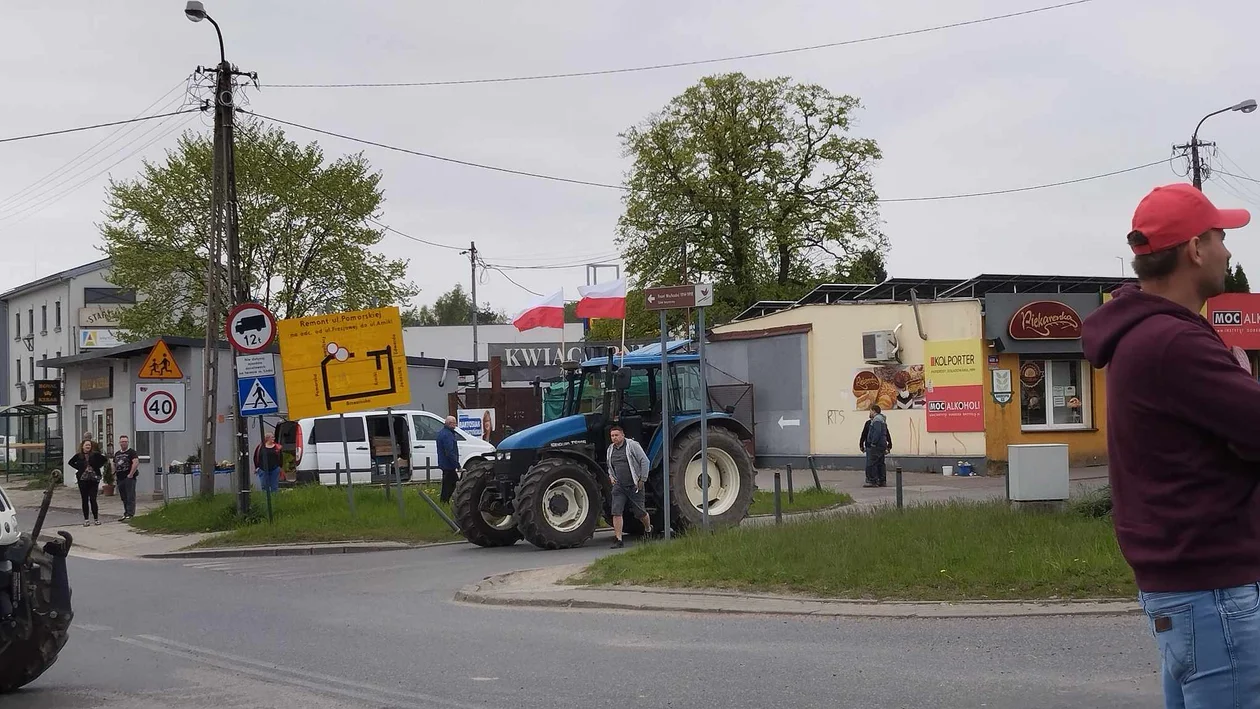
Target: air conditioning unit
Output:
[{"x": 880, "y": 346}]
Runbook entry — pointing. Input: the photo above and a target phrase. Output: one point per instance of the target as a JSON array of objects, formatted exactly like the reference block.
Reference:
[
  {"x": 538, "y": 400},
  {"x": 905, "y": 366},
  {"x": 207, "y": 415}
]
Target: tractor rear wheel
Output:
[
  {"x": 558, "y": 504},
  {"x": 731, "y": 478},
  {"x": 474, "y": 504}
]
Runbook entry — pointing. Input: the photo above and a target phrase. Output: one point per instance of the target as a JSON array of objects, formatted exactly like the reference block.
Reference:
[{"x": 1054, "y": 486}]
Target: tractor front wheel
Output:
[
  {"x": 558, "y": 504},
  {"x": 479, "y": 512}
]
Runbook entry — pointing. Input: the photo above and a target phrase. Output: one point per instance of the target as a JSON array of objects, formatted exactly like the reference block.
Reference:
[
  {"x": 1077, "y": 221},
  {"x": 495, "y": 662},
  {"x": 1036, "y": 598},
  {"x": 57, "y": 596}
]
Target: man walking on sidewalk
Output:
[
  {"x": 448, "y": 458},
  {"x": 627, "y": 471},
  {"x": 126, "y": 467},
  {"x": 1183, "y": 435},
  {"x": 876, "y": 442}
]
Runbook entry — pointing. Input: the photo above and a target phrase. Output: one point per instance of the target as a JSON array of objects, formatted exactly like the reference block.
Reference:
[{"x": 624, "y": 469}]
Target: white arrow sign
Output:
[{"x": 788, "y": 422}]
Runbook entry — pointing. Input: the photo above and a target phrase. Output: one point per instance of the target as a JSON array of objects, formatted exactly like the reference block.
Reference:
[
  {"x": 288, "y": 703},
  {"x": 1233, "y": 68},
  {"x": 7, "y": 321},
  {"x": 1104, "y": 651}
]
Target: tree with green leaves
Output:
[
  {"x": 1236, "y": 280},
  {"x": 754, "y": 185},
  {"x": 306, "y": 246},
  {"x": 454, "y": 307}
]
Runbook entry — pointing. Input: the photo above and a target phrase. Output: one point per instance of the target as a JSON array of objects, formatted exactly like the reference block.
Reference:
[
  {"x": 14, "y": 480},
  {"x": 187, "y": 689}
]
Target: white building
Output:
[
  {"x": 456, "y": 341},
  {"x": 58, "y": 315}
]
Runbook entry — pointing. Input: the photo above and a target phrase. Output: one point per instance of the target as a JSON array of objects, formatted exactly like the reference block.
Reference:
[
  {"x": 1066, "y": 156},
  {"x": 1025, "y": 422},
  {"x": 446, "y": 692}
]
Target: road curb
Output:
[
  {"x": 541, "y": 588},
  {"x": 303, "y": 550}
]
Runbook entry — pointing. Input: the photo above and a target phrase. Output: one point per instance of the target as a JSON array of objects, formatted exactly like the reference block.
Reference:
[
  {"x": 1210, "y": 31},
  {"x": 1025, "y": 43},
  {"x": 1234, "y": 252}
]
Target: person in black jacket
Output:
[
  {"x": 88, "y": 464},
  {"x": 876, "y": 472}
]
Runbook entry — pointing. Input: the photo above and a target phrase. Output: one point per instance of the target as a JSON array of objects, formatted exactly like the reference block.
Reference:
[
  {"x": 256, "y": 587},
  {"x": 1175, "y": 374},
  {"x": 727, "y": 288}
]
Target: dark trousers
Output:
[
  {"x": 127, "y": 491},
  {"x": 449, "y": 478},
  {"x": 876, "y": 471},
  {"x": 87, "y": 491}
]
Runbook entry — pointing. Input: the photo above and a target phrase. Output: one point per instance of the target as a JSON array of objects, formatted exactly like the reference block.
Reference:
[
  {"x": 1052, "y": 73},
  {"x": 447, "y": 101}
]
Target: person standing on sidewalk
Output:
[
  {"x": 627, "y": 471},
  {"x": 1183, "y": 436},
  {"x": 448, "y": 458},
  {"x": 126, "y": 467},
  {"x": 267, "y": 463},
  {"x": 88, "y": 464},
  {"x": 876, "y": 442}
]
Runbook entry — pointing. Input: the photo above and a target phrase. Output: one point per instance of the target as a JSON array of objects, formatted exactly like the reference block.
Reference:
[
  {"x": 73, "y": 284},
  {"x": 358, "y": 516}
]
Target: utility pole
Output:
[
  {"x": 472, "y": 262},
  {"x": 225, "y": 229},
  {"x": 1197, "y": 167}
]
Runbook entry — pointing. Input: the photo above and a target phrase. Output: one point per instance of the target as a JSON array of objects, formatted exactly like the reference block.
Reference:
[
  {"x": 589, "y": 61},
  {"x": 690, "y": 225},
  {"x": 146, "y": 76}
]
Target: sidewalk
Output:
[
  {"x": 546, "y": 588},
  {"x": 67, "y": 499}
]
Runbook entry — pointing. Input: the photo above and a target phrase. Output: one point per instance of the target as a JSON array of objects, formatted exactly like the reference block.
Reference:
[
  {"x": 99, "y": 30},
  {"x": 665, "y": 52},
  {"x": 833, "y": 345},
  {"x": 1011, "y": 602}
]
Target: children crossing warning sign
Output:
[{"x": 160, "y": 364}]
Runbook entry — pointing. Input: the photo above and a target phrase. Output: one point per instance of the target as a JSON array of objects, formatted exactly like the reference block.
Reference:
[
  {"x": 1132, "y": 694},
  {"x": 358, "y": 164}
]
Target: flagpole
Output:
[{"x": 623, "y": 340}]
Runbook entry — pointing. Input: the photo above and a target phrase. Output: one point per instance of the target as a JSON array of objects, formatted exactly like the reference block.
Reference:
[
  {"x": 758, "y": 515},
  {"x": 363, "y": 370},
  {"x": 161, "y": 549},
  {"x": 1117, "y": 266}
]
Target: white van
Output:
[{"x": 316, "y": 444}]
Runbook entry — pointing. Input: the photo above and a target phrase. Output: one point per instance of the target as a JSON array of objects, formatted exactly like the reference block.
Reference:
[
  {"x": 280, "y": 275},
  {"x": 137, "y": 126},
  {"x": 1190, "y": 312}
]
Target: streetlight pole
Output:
[
  {"x": 225, "y": 228},
  {"x": 1196, "y": 168}
]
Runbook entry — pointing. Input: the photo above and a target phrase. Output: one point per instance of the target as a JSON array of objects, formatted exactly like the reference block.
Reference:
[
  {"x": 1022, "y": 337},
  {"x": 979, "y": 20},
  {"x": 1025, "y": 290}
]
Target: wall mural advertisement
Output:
[
  {"x": 892, "y": 386},
  {"x": 955, "y": 386}
]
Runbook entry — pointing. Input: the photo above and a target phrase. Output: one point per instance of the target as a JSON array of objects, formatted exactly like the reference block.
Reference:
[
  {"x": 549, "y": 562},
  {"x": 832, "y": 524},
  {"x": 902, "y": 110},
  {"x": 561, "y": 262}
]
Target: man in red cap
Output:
[{"x": 1183, "y": 436}]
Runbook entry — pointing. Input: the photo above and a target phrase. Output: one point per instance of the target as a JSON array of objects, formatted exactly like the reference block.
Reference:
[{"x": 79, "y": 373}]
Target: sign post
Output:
[
  {"x": 250, "y": 328},
  {"x": 698, "y": 295}
]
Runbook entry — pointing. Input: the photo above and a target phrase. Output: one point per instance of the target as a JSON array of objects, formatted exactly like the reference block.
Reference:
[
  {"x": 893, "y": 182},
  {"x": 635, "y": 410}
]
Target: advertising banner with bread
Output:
[
  {"x": 892, "y": 386},
  {"x": 954, "y": 385}
]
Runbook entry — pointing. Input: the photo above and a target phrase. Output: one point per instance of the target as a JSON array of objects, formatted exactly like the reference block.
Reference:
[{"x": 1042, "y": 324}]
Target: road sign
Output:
[
  {"x": 343, "y": 362},
  {"x": 48, "y": 392},
  {"x": 255, "y": 365},
  {"x": 250, "y": 328},
  {"x": 160, "y": 406},
  {"x": 696, "y": 295},
  {"x": 257, "y": 395},
  {"x": 160, "y": 364}
]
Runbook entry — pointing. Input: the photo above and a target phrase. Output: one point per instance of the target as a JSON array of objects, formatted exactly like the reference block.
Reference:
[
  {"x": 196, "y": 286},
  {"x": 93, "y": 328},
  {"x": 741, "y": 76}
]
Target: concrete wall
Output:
[
  {"x": 835, "y": 354},
  {"x": 455, "y": 341}
]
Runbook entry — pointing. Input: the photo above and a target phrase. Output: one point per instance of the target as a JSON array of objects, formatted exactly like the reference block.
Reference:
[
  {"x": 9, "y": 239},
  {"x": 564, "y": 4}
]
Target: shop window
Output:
[{"x": 1054, "y": 393}]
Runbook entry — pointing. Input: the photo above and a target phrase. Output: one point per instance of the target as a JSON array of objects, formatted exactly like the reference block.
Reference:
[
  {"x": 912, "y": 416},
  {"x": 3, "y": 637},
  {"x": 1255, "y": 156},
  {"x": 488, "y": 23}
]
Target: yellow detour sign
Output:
[
  {"x": 343, "y": 362},
  {"x": 160, "y": 364}
]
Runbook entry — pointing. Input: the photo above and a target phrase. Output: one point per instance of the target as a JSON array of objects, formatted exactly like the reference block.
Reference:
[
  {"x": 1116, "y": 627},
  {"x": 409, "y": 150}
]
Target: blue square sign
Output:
[{"x": 257, "y": 396}]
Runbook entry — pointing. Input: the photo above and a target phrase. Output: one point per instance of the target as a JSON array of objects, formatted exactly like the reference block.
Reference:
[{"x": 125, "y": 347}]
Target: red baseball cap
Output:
[{"x": 1174, "y": 214}]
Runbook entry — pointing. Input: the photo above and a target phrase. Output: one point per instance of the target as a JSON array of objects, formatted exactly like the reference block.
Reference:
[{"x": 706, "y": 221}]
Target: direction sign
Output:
[
  {"x": 696, "y": 295},
  {"x": 160, "y": 364},
  {"x": 343, "y": 362},
  {"x": 257, "y": 395},
  {"x": 250, "y": 328},
  {"x": 160, "y": 406}
]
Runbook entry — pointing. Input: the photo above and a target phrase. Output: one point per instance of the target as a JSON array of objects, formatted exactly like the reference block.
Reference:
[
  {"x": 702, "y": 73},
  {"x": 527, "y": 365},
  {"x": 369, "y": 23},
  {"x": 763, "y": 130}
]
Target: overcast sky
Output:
[{"x": 1053, "y": 96}]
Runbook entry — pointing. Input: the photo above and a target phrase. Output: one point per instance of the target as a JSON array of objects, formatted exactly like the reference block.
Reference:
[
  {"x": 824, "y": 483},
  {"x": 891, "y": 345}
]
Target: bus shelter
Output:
[{"x": 30, "y": 448}]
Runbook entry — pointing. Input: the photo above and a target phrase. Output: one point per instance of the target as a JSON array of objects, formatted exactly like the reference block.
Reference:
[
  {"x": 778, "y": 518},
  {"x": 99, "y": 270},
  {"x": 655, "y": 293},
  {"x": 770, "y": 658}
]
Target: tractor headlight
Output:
[{"x": 504, "y": 455}]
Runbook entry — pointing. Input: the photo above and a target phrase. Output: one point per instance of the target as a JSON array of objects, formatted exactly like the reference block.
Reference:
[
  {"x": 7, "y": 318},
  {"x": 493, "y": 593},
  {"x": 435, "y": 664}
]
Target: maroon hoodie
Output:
[{"x": 1183, "y": 433}]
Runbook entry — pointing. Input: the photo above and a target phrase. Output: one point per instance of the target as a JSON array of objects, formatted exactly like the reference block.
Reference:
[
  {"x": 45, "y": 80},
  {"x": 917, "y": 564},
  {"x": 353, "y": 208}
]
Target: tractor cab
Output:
[{"x": 549, "y": 483}]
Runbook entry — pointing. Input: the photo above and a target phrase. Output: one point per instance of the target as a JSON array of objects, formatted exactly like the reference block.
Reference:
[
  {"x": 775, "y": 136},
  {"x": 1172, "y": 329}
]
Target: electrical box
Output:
[
  {"x": 880, "y": 346},
  {"x": 1038, "y": 472}
]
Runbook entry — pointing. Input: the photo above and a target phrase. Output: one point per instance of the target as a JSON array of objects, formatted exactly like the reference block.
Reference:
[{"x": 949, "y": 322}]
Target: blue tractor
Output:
[{"x": 549, "y": 484}]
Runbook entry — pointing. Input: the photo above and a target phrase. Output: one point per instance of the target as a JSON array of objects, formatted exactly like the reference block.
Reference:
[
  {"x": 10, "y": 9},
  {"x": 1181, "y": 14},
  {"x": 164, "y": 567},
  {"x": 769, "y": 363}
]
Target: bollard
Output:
[
  {"x": 791, "y": 494},
  {"x": 778, "y": 501},
  {"x": 338, "y": 474},
  {"x": 269, "y": 519},
  {"x": 428, "y": 479},
  {"x": 814, "y": 470},
  {"x": 899, "y": 492}
]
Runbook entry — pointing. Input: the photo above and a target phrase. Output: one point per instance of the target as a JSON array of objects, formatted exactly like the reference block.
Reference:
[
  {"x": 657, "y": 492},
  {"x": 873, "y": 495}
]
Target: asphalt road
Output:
[{"x": 380, "y": 630}]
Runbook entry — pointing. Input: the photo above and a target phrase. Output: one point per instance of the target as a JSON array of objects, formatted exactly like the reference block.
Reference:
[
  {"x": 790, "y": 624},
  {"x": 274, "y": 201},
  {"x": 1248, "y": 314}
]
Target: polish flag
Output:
[
  {"x": 603, "y": 300},
  {"x": 547, "y": 311}
]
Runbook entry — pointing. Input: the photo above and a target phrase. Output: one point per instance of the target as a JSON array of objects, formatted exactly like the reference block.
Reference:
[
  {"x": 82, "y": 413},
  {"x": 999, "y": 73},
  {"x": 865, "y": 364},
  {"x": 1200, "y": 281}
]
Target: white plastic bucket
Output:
[{"x": 947, "y": 470}]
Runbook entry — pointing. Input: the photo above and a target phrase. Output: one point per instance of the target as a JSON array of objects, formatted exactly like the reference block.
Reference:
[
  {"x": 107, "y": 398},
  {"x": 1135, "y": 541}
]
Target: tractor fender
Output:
[{"x": 682, "y": 426}]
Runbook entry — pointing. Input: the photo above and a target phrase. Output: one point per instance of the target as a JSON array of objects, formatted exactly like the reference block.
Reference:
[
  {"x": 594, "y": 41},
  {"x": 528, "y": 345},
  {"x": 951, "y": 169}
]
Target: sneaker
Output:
[
  {"x": 97, "y": 522},
  {"x": 618, "y": 544},
  {"x": 869, "y": 485},
  {"x": 87, "y": 523}
]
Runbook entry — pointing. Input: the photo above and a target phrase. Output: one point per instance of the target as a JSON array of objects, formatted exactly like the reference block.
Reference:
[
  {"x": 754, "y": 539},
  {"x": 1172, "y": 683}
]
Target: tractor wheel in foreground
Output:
[
  {"x": 24, "y": 660},
  {"x": 478, "y": 510},
  {"x": 731, "y": 478},
  {"x": 558, "y": 504}
]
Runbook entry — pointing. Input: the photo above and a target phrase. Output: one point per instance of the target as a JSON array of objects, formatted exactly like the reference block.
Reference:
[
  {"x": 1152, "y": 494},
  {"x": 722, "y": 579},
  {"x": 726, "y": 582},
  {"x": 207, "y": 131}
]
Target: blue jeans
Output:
[
  {"x": 269, "y": 480},
  {"x": 1209, "y": 642}
]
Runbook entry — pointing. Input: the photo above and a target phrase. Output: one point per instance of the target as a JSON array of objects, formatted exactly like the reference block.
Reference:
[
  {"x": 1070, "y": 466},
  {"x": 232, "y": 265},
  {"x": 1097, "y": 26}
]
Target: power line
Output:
[
  {"x": 487, "y": 267},
  {"x": 695, "y": 62},
  {"x": 98, "y": 125},
  {"x": 623, "y": 188}
]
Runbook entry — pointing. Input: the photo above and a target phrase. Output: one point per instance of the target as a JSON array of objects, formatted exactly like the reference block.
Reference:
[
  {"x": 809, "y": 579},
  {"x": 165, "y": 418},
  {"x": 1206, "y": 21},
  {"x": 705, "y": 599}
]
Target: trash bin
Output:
[{"x": 1037, "y": 472}]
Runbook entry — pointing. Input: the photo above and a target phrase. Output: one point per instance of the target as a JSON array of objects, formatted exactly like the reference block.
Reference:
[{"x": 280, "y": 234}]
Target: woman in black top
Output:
[{"x": 88, "y": 464}]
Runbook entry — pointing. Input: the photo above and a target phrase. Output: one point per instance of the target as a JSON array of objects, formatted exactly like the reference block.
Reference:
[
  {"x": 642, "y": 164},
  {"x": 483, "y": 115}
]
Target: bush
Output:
[{"x": 1096, "y": 504}]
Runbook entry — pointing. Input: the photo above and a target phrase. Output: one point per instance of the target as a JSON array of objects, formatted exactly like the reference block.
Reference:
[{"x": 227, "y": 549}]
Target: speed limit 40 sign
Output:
[{"x": 160, "y": 406}]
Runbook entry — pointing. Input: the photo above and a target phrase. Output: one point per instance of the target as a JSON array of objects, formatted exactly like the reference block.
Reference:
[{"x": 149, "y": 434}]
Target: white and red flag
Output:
[
  {"x": 547, "y": 311},
  {"x": 603, "y": 300}
]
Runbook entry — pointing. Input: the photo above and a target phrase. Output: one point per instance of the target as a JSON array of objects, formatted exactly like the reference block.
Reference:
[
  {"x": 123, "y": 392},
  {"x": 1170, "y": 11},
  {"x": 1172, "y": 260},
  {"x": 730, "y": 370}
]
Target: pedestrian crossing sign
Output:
[
  {"x": 160, "y": 364},
  {"x": 257, "y": 396}
]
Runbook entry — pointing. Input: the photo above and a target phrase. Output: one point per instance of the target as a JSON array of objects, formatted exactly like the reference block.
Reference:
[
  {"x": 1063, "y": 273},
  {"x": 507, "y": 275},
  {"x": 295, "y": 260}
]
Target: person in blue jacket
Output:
[{"x": 448, "y": 457}]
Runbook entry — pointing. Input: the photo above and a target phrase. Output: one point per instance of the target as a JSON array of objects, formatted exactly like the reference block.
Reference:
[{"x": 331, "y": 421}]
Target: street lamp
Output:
[
  {"x": 1243, "y": 106},
  {"x": 196, "y": 12}
]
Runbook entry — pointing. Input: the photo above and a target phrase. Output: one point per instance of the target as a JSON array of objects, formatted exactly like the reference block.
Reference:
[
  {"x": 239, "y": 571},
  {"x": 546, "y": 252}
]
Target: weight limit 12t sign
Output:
[{"x": 160, "y": 407}]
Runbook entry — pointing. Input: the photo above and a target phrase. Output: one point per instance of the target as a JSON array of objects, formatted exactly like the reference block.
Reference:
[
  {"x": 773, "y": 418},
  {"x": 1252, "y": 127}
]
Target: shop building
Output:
[{"x": 962, "y": 369}]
